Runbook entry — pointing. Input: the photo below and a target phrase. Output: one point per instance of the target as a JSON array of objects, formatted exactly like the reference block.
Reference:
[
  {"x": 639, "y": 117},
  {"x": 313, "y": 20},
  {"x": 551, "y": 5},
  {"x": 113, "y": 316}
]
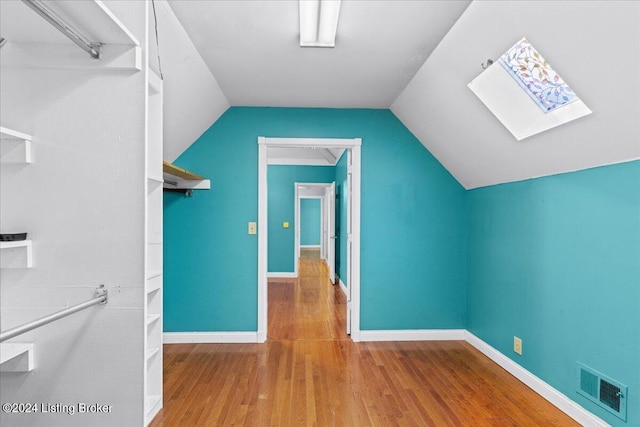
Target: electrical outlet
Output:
[
  {"x": 252, "y": 228},
  {"x": 517, "y": 345}
]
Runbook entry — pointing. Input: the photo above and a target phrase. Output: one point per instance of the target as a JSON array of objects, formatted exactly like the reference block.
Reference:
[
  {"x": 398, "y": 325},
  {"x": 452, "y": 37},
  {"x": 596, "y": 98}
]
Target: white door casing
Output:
[
  {"x": 349, "y": 245},
  {"x": 353, "y": 147},
  {"x": 310, "y": 190},
  {"x": 329, "y": 222}
]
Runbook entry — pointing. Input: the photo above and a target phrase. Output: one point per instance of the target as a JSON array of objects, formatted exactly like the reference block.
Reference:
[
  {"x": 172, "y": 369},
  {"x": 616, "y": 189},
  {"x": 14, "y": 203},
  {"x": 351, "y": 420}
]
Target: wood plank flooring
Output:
[{"x": 309, "y": 373}]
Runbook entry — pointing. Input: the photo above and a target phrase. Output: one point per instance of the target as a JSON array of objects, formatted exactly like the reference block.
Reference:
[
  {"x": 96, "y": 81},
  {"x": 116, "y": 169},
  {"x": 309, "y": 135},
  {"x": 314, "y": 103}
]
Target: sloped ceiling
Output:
[
  {"x": 593, "y": 45},
  {"x": 193, "y": 100},
  {"x": 252, "y": 48}
]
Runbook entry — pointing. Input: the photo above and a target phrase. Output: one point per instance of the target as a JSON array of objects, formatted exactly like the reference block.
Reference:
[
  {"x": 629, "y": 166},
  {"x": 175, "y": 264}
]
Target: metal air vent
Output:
[{"x": 602, "y": 390}]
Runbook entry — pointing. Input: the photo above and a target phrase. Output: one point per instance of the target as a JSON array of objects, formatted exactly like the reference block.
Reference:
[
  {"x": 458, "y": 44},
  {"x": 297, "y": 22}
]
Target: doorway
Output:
[
  {"x": 318, "y": 202},
  {"x": 352, "y": 147}
]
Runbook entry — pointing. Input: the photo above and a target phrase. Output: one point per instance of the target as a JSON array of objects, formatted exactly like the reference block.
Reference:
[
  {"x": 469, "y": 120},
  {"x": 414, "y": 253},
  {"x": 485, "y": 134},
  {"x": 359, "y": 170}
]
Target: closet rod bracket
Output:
[{"x": 101, "y": 291}]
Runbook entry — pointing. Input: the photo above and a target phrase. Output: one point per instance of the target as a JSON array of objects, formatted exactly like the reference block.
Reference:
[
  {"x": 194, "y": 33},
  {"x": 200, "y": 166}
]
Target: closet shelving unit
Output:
[
  {"x": 120, "y": 50},
  {"x": 153, "y": 238},
  {"x": 15, "y": 148}
]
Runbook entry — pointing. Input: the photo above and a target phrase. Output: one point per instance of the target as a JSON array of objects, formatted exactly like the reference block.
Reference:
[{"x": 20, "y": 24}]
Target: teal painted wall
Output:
[
  {"x": 342, "y": 199},
  {"x": 310, "y": 222},
  {"x": 553, "y": 260},
  {"x": 413, "y": 224},
  {"x": 556, "y": 262},
  {"x": 281, "y": 208}
]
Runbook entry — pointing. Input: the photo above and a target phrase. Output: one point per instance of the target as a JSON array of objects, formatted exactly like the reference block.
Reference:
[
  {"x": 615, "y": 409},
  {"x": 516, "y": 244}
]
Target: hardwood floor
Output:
[
  {"x": 310, "y": 373},
  {"x": 308, "y": 307}
]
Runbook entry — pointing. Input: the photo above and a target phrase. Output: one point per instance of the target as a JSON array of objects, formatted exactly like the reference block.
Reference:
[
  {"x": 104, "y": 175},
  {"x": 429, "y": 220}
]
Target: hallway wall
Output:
[{"x": 281, "y": 181}]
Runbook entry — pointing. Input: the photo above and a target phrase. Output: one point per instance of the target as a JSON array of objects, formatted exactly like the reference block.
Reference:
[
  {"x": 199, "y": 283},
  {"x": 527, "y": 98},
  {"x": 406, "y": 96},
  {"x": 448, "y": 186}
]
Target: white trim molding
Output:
[
  {"x": 209, "y": 337},
  {"x": 311, "y": 142},
  {"x": 353, "y": 147},
  {"x": 414, "y": 335},
  {"x": 343, "y": 287},
  {"x": 556, "y": 398},
  {"x": 282, "y": 275}
]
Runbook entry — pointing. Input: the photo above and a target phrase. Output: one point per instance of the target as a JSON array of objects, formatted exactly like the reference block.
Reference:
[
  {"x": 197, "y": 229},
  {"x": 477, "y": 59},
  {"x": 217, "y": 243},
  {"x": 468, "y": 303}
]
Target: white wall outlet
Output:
[
  {"x": 252, "y": 228},
  {"x": 517, "y": 345}
]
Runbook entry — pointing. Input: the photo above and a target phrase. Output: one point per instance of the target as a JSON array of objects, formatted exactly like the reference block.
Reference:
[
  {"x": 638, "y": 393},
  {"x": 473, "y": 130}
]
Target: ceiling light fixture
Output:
[
  {"x": 318, "y": 22},
  {"x": 51, "y": 17}
]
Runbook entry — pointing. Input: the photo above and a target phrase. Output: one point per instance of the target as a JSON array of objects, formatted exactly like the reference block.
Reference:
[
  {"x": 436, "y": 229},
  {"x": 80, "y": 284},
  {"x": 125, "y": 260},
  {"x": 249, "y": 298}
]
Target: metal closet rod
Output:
[
  {"x": 51, "y": 17},
  {"x": 100, "y": 298}
]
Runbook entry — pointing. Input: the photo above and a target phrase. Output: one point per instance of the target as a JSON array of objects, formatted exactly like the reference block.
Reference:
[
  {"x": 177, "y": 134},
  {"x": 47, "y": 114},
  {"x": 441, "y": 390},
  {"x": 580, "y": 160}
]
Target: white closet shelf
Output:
[
  {"x": 15, "y": 244},
  {"x": 154, "y": 282},
  {"x": 152, "y": 352},
  {"x": 151, "y": 406},
  {"x": 103, "y": 23},
  {"x": 152, "y": 318},
  {"x": 6, "y": 133},
  {"x": 16, "y": 147},
  {"x": 178, "y": 178},
  {"x": 18, "y": 254},
  {"x": 156, "y": 179},
  {"x": 154, "y": 238},
  {"x": 30, "y": 43},
  {"x": 155, "y": 83},
  {"x": 16, "y": 357},
  {"x": 153, "y": 274}
]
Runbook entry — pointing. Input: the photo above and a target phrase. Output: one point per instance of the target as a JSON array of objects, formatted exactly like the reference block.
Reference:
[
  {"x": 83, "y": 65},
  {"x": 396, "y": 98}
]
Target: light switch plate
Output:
[{"x": 252, "y": 228}]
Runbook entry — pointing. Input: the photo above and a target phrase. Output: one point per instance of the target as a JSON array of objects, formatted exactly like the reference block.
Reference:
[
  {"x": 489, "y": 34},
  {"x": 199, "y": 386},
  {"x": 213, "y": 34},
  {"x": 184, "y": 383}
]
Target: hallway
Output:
[
  {"x": 309, "y": 372},
  {"x": 314, "y": 309}
]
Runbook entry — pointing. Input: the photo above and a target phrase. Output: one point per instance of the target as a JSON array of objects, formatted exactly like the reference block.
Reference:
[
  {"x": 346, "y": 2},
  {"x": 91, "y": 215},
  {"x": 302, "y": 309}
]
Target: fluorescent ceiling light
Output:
[{"x": 318, "y": 22}]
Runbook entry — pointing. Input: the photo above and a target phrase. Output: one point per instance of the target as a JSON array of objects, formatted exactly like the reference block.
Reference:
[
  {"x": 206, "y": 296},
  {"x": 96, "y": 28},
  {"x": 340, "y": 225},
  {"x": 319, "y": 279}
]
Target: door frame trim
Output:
[
  {"x": 297, "y": 224},
  {"x": 354, "y": 145}
]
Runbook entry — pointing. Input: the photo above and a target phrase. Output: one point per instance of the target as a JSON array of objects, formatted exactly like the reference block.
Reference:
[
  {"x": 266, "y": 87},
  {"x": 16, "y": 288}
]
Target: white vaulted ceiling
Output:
[
  {"x": 593, "y": 45},
  {"x": 416, "y": 57},
  {"x": 252, "y": 48}
]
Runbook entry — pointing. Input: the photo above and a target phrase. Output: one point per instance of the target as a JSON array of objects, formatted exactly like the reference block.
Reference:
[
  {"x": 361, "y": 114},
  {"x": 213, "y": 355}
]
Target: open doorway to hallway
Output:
[
  {"x": 316, "y": 210},
  {"x": 350, "y": 239},
  {"x": 308, "y": 307}
]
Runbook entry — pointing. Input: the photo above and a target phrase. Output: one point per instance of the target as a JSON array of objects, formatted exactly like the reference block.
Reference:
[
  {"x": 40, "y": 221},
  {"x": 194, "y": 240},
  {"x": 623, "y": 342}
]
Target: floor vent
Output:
[{"x": 604, "y": 391}]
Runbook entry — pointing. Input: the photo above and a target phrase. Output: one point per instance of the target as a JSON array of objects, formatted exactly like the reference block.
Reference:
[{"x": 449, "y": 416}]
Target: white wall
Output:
[
  {"x": 193, "y": 99},
  {"x": 82, "y": 203},
  {"x": 594, "y": 47}
]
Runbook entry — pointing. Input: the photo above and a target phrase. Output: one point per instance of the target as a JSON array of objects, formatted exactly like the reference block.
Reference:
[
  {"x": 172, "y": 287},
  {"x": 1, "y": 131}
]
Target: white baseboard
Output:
[
  {"x": 310, "y": 246},
  {"x": 559, "y": 400},
  {"x": 342, "y": 286},
  {"x": 414, "y": 335},
  {"x": 282, "y": 275},
  {"x": 209, "y": 337}
]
